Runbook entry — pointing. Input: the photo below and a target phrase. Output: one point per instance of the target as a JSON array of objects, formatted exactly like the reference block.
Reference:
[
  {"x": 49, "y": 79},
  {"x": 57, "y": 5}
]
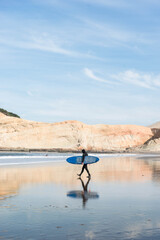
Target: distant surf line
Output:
[
  {"x": 28, "y": 163},
  {"x": 21, "y": 157},
  {"x": 101, "y": 155}
]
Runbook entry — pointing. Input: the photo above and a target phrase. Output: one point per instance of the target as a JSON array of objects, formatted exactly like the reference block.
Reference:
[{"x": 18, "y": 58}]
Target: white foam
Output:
[
  {"x": 66, "y": 156},
  {"x": 27, "y": 163},
  {"x": 42, "y": 159},
  {"x": 31, "y": 157}
]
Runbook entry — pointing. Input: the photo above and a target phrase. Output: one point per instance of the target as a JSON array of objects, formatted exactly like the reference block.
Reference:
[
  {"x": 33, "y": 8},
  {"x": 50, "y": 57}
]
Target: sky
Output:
[{"x": 95, "y": 61}]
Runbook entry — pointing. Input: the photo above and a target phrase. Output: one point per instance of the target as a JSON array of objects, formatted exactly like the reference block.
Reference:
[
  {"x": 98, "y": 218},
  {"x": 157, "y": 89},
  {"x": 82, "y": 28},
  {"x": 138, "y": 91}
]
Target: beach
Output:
[
  {"x": 79, "y": 77},
  {"x": 41, "y": 197}
]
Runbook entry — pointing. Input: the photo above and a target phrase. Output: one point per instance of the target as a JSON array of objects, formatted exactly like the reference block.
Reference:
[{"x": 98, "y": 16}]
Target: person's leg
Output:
[
  {"x": 87, "y": 170},
  {"x": 82, "y": 170}
]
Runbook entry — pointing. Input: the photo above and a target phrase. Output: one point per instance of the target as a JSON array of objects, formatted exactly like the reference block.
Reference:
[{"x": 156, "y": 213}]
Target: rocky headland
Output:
[
  {"x": 25, "y": 135},
  {"x": 153, "y": 143}
]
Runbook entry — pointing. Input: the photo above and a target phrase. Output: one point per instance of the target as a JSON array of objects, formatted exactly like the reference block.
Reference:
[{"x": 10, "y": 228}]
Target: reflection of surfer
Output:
[
  {"x": 84, "y": 165},
  {"x": 83, "y": 194},
  {"x": 85, "y": 191}
]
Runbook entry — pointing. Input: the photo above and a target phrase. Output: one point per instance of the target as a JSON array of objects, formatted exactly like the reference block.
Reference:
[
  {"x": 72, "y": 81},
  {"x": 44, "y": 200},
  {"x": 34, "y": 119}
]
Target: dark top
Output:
[{"x": 83, "y": 156}]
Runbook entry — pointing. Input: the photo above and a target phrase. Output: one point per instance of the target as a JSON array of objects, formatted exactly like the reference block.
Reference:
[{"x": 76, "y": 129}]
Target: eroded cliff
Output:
[{"x": 17, "y": 134}]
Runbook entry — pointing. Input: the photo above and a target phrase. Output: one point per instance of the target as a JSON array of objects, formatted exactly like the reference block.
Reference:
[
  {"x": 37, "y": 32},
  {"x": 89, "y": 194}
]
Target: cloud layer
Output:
[
  {"x": 94, "y": 61},
  {"x": 143, "y": 80}
]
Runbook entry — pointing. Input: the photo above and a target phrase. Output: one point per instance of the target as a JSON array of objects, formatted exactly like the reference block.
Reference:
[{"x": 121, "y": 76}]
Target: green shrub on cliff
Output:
[{"x": 10, "y": 114}]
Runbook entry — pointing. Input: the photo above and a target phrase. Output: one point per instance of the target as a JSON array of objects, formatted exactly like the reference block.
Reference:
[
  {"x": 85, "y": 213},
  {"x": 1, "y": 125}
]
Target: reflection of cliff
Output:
[
  {"x": 154, "y": 162},
  {"x": 124, "y": 169},
  {"x": 11, "y": 179},
  {"x": 156, "y": 172},
  {"x": 108, "y": 169},
  {"x": 7, "y": 191}
]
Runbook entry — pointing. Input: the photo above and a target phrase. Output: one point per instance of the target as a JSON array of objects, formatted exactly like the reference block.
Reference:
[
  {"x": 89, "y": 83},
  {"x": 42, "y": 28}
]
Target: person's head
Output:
[{"x": 83, "y": 151}]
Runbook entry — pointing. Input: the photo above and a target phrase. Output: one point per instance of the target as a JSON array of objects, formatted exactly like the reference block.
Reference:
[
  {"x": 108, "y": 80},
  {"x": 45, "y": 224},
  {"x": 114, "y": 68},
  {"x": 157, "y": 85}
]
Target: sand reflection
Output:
[{"x": 107, "y": 169}]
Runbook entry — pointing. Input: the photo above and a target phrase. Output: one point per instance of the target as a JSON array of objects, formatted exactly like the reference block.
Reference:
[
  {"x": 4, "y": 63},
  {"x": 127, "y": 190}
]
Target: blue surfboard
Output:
[
  {"x": 79, "y": 194},
  {"x": 78, "y": 160}
]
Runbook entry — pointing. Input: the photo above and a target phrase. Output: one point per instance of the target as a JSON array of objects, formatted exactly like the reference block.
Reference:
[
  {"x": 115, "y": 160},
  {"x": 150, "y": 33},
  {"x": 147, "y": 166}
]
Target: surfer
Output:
[{"x": 84, "y": 165}]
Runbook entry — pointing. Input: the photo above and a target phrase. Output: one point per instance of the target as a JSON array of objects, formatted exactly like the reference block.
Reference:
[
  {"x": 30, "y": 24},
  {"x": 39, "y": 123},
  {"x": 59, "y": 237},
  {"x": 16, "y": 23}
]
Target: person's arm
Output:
[{"x": 83, "y": 156}]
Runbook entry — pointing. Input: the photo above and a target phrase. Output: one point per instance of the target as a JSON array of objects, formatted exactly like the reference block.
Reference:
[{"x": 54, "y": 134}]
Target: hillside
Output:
[
  {"x": 152, "y": 144},
  {"x": 20, "y": 134},
  {"x": 10, "y": 114},
  {"x": 155, "y": 125}
]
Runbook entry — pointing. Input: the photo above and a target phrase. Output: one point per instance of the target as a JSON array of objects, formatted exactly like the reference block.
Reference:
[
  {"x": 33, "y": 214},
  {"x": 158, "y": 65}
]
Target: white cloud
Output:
[
  {"x": 68, "y": 39},
  {"x": 89, "y": 30},
  {"x": 33, "y": 92},
  {"x": 47, "y": 45},
  {"x": 104, "y": 3},
  {"x": 30, "y": 93},
  {"x": 89, "y": 73},
  {"x": 55, "y": 42},
  {"x": 108, "y": 31},
  {"x": 143, "y": 80},
  {"x": 37, "y": 43},
  {"x": 106, "y": 34},
  {"x": 122, "y": 3},
  {"x": 64, "y": 4},
  {"x": 108, "y": 3}
]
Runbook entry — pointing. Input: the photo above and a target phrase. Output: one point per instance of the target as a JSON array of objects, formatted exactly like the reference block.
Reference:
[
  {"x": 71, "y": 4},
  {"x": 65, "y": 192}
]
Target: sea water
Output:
[{"x": 120, "y": 201}]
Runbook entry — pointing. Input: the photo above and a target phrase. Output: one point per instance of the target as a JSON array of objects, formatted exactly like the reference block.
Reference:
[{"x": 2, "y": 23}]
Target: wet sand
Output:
[{"x": 48, "y": 201}]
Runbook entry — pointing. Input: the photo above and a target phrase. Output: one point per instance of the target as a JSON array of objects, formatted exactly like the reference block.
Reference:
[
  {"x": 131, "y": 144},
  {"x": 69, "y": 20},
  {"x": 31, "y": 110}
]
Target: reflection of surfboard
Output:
[
  {"x": 78, "y": 159},
  {"x": 80, "y": 194}
]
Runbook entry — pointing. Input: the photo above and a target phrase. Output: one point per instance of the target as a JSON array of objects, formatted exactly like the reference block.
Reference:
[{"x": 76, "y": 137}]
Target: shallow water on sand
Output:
[{"x": 41, "y": 197}]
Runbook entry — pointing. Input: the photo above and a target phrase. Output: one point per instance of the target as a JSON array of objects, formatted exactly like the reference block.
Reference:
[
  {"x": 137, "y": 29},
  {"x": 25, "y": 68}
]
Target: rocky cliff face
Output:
[
  {"x": 16, "y": 133},
  {"x": 151, "y": 145}
]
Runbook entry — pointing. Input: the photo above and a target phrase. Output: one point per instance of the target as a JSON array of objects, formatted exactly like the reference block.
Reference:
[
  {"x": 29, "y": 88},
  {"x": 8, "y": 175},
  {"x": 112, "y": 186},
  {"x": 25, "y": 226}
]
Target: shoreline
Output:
[{"x": 76, "y": 151}]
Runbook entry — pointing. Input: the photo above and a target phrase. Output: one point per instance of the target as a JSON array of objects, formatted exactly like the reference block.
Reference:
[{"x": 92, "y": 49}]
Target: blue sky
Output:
[{"x": 96, "y": 61}]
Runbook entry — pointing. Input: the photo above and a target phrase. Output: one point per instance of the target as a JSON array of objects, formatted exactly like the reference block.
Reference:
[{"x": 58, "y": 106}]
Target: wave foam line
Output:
[
  {"x": 15, "y": 157},
  {"x": 27, "y": 163}
]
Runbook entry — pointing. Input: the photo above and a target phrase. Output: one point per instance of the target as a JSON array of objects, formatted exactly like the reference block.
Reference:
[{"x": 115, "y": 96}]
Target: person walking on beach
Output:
[{"x": 84, "y": 164}]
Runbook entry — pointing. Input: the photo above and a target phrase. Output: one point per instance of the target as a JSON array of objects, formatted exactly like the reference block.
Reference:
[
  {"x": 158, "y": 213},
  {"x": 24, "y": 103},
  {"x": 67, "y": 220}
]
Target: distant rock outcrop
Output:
[
  {"x": 10, "y": 114},
  {"x": 152, "y": 144},
  {"x": 155, "y": 125},
  {"x": 19, "y": 134}
]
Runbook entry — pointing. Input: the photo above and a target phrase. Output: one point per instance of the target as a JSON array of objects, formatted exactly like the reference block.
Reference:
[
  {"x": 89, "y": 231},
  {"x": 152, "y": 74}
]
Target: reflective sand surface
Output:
[{"x": 47, "y": 201}]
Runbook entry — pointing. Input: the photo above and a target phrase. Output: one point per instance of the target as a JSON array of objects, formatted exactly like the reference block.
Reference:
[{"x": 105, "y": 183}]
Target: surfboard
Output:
[
  {"x": 79, "y": 194},
  {"x": 78, "y": 160}
]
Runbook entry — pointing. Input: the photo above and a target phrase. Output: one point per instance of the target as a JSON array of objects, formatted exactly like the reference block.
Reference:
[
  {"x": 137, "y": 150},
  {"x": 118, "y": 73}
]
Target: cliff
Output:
[
  {"x": 20, "y": 134},
  {"x": 152, "y": 144}
]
